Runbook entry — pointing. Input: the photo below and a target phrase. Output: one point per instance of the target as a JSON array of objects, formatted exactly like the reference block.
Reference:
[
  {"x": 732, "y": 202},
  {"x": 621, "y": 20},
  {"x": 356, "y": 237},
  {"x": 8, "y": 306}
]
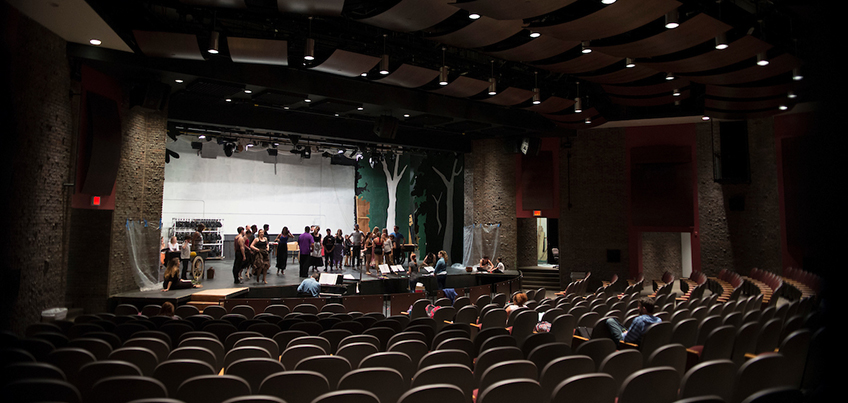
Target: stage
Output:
[{"x": 221, "y": 286}]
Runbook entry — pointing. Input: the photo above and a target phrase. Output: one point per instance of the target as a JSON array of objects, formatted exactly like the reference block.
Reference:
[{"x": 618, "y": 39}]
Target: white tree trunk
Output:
[
  {"x": 438, "y": 218},
  {"x": 392, "y": 180},
  {"x": 449, "y": 184}
]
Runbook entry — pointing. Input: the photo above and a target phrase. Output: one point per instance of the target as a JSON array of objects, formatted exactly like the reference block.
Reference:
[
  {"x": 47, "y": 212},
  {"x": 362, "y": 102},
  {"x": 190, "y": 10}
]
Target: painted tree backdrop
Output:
[{"x": 428, "y": 188}]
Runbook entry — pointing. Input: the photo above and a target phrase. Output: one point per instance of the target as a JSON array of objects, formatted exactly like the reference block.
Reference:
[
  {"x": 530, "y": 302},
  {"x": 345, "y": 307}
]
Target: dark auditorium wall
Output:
[
  {"x": 596, "y": 222},
  {"x": 740, "y": 240},
  {"x": 490, "y": 194},
  {"x": 35, "y": 153}
]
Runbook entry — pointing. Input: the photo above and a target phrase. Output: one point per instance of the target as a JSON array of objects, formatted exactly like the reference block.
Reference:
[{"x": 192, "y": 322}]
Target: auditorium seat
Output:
[
  {"x": 289, "y": 386},
  {"x": 587, "y": 387},
  {"x": 709, "y": 378},
  {"x": 561, "y": 368},
  {"x": 508, "y": 370},
  {"x": 621, "y": 364},
  {"x": 441, "y": 392},
  {"x": 157, "y": 346},
  {"x": 265, "y": 343},
  {"x": 455, "y": 374},
  {"x": 143, "y": 357},
  {"x": 30, "y": 370},
  {"x": 334, "y": 337},
  {"x": 543, "y": 354},
  {"x": 650, "y": 385},
  {"x": 414, "y": 349},
  {"x": 445, "y": 357},
  {"x": 240, "y": 353},
  {"x": 388, "y": 389},
  {"x": 356, "y": 352},
  {"x": 510, "y": 391},
  {"x": 398, "y": 361},
  {"x": 347, "y": 396},
  {"x": 332, "y": 367},
  {"x": 69, "y": 360},
  {"x": 40, "y": 390},
  {"x": 254, "y": 370},
  {"x": 122, "y": 389},
  {"x": 670, "y": 355},
  {"x": 212, "y": 389},
  {"x": 173, "y": 372},
  {"x": 205, "y": 349}
]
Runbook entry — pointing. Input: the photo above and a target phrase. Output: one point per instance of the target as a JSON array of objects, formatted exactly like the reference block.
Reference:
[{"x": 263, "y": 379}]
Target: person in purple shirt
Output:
[{"x": 305, "y": 241}]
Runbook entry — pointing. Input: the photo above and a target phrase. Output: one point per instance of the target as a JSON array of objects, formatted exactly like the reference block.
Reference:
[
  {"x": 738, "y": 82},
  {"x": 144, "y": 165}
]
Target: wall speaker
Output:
[
  {"x": 530, "y": 145},
  {"x": 153, "y": 96},
  {"x": 731, "y": 164},
  {"x": 386, "y": 127}
]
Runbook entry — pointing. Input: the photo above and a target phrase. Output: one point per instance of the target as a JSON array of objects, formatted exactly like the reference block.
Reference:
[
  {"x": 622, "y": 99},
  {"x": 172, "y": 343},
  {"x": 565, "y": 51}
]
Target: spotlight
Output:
[
  {"x": 537, "y": 97},
  {"x": 783, "y": 107},
  {"x": 705, "y": 118},
  {"x": 791, "y": 95},
  {"x": 309, "y": 52},
  {"x": 588, "y": 121},
  {"x": 473, "y": 16},
  {"x": 629, "y": 63},
  {"x": 307, "y": 153},
  {"x": 669, "y": 76},
  {"x": 214, "y": 38},
  {"x": 178, "y": 81},
  {"x": 607, "y": 2},
  {"x": 675, "y": 93},
  {"x": 95, "y": 41},
  {"x": 671, "y": 20},
  {"x": 762, "y": 60},
  {"x": 585, "y": 49},
  {"x": 578, "y": 105},
  {"x": 443, "y": 75},
  {"x": 535, "y": 34},
  {"x": 796, "y": 74},
  {"x": 721, "y": 42},
  {"x": 384, "y": 65}
]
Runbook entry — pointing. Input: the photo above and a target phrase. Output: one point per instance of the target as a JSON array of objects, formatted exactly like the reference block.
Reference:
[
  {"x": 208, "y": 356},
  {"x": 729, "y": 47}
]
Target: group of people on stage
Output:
[
  {"x": 357, "y": 248},
  {"x": 253, "y": 253}
]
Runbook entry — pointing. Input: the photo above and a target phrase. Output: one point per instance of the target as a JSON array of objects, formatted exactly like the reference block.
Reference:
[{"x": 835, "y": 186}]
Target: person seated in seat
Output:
[
  {"x": 639, "y": 325},
  {"x": 519, "y": 300},
  {"x": 310, "y": 287}
]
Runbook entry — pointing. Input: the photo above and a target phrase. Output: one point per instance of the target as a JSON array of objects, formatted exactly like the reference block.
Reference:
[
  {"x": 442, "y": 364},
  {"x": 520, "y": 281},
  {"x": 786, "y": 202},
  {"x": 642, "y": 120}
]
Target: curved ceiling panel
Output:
[
  {"x": 573, "y": 117},
  {"x": 540, "y": 48},
  {"x": 311, "y": 7},
  {"x": 748, "y": 92},
  {"x": 347, "y": 64},
  {"x": 511, "y": 9},
  {"x": 645, "y": 90},
  {"x": 741, "y": 49},
  {"x": 778, "y": 65},
  {"x": 510, "y": 96},
  {"x": 582, "y": 64},
  {"x": 652, "y": 101},
  {"x": 168, "y": 44},
  {"x": 463, "y": 87},
  {"x": 482, "y": 32},
  {"x": 409, "y": 76},
  {"x": 696, "y": 30},
  {"x": 622, "y": 76},
  {"x": 235, "y": 4},
  {"x": 628, "y": 15},
  {"x": 262, "y": 51},
  {"x": 551, "y": 105},
  {"x": 744, "y": 105},
  {"x": 412, "y": 15}
]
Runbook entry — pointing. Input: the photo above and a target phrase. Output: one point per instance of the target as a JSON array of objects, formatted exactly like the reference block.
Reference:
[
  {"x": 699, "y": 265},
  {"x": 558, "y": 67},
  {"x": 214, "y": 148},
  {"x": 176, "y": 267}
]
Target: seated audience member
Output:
[
  {"x": 172, "y": 279},
  {"x": 518, "y": 301},
  {"x": 310, "y": 286},
  {"x": 499, "y": 268},
  {"x": 638, "y": 327},
  {"x": 168, "y": 310},
  {"x": 486, "y": 264}
]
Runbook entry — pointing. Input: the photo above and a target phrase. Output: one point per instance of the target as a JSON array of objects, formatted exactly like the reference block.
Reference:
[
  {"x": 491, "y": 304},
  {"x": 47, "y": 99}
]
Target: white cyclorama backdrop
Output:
[{"x": 248, "y": 188}]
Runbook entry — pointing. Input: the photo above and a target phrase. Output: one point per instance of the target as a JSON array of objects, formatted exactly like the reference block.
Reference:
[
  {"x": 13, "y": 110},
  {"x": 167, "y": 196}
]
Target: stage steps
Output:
[
  {"x": 202, "y": 299},
  {"x": 540, "y": 276}
]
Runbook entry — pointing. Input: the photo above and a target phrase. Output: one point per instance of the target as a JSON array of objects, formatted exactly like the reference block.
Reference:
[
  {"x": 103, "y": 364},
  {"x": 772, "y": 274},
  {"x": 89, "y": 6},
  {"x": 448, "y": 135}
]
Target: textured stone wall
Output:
[
  {"x": 37, "y": 142},
  {"x": 597, "y": 219},
  {"x": 139, "y": 186},
  {"x": 527, "y": 248},
  {"x": 660, "y": 253},
  {"x": 739, "y": 240},
  {"x": 490, "y": 193}
]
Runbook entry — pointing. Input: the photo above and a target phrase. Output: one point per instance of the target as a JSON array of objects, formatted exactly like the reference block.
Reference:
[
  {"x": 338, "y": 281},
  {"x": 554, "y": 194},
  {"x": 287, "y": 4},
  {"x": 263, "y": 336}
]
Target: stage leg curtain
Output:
[
  {"x": 479, "y": 240},
  {"x": 143, "y": 247}
]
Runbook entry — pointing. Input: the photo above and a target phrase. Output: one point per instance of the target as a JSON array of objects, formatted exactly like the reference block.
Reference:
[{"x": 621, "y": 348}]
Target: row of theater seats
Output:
[{"x": 291, "y": 357}]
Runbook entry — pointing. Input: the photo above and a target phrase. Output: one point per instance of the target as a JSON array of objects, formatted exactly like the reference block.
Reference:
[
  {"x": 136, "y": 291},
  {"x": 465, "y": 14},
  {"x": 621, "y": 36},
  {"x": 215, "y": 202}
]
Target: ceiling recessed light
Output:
[
  {"x": 360, "y": 108},
  {"x": 474, "y": 16},
  {"x": 178, "y": 81},
  {"x": 248, "y": 91},
  {"x": 228, "y": 100},
  {"x": 535, "y": 34},
  {"x": 406, "y": 115},
  {"x": 95, "y": 41}
]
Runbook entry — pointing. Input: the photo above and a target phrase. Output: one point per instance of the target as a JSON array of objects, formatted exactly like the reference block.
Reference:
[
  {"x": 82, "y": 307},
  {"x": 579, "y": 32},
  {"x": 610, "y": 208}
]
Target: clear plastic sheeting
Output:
[
  {"x": 143, "y": 243},
  {"x": 479, "y": 240}
]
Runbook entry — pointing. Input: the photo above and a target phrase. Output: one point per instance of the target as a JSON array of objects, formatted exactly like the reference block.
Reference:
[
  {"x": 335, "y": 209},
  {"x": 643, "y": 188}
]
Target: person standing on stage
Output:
[
  {"x": 376, "y": 248},
  {"x": 356, "y": 240},
  {"x": 247, "y": 239},
  {"x": 282, "y": 241},
  {"x": 328, "y": 243},
  {"x": 240, "y": 258},
  {"x": 397, "y": 246},
  {"x": 317, "y": 248},
  {"x": 197, "y": 238},
  {"x": 338, "y": 250},
  {"x": 185, "y": 258},
  {"x": 261, "y": 261},
  {"x": 348, "y": 247},
  {"x": 368, "y": 246},
  {"x": 441, "y": 268},
  {"x": 304, "y": 243}
]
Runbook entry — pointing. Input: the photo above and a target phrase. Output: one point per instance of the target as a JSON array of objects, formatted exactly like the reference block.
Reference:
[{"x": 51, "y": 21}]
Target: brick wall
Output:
[
  {"x": 597, "y": 219},
  {"x": 660, "y": 253},
  {"x": 139, "y": 186},
  {"x": 36, "y": 149},
  {"x": 490, "y": 193},
  {"x": 527, "y": 240},
  {"x": 739, "y": 240}
]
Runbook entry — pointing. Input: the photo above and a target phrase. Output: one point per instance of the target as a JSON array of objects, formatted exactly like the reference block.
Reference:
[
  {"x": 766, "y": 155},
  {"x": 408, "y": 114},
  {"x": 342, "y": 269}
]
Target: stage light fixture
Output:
[
  {"x": 671, "y": 20},
  {"x": 214, "y": 39},
  {"x": 721, "y": 42},
  {"x": 585, "y": 47},
  {"x": 762, "y": 60},
  {"x": 796, "y": 74},
  {"x": 309, "y": 52},
  {"x": 307, "y": 153},
  {"x": 384, "y": 61},
  {"x": 629, "y": 63},
  {"x": 537, "y": 96},
  {"x": 578, "y": 105},
  {"x": 228, "y": 149},
  {"x": 443, "y": 71},
  {"x": 669, "y": 76}
]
